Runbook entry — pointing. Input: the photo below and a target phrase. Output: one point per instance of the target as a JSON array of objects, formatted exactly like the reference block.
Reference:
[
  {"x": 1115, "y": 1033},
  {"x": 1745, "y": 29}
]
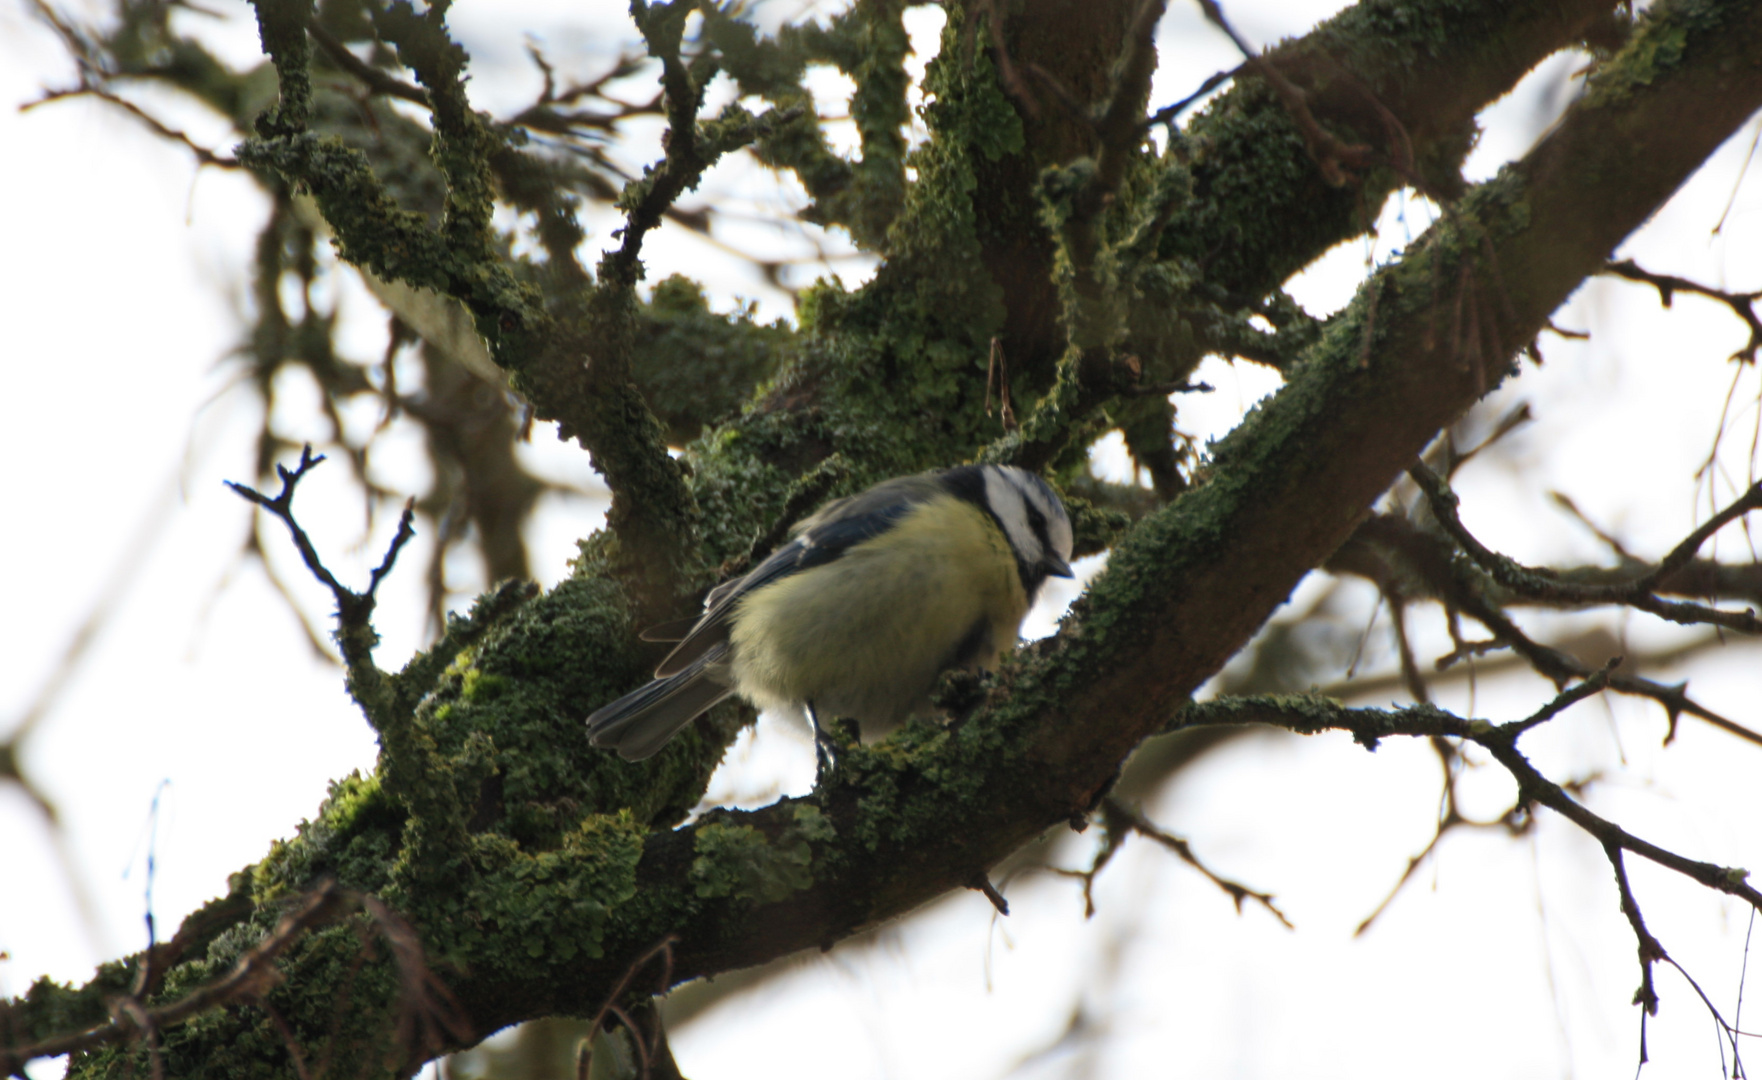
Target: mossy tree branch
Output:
[
  {"x": 572, "y": 362},
  {"x": 570, "y": 871},
  {"x": 1284, "y": 490}
]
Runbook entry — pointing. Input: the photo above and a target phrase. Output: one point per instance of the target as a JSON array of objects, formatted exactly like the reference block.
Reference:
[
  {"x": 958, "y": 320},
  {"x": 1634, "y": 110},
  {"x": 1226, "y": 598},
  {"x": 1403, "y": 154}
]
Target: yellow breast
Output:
[{"x": 868, "y": 634}]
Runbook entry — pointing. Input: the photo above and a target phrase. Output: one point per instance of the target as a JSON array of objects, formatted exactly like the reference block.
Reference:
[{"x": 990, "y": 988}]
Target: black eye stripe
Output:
[{"x": 1037, "y": 522}]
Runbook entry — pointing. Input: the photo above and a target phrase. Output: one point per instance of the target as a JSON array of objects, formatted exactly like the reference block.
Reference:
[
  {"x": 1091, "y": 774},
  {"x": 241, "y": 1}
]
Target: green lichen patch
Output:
[{"x": 742, "y": 863}]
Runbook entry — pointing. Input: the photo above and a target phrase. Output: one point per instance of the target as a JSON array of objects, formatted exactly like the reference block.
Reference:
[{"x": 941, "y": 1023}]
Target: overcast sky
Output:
[{"x": 199, "y": 724}]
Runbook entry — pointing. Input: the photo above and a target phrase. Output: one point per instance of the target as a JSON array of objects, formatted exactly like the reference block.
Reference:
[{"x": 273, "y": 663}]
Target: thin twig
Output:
[
  {"x": 287, "y": 1036},
  {"x": 611, "y": 1008},
  {"x": 1168, "y": 113},
  {"x": 1560, "y": 667},
  {"x": 429, "y": 1017},
  {"x": 1120, "y": 818},
  {"x": 1590, "y": 687},
  {"x": 202, "y": 154},
  {"x": 1544, "y": 584},
  {"x": 1651, "y": 951},
  {"x": 353, "y": 609},
  {"x": 1165, "y": 389},
  {"x": 1743, "y": 305},
  {"x": 250, "y": 978},
  {"x": 376, "y": 80},
  {"x": 1308, "y": 714}
]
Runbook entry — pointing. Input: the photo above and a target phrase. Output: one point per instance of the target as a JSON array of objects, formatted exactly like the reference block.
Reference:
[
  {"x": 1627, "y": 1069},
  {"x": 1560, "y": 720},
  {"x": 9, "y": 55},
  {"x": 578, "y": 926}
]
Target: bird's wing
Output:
[
  {"x": 642, "y": 721},
  {"x": 680, "y": 629},
  {"x": 818, "y": 544}
]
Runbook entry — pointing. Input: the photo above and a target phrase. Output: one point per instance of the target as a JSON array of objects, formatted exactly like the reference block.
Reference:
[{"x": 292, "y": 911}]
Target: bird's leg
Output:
[{"x": 825, "y": 750}]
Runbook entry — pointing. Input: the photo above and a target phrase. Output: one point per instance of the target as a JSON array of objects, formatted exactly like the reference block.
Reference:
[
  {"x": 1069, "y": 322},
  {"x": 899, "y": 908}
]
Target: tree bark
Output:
[{"x": 540, "y": 873}]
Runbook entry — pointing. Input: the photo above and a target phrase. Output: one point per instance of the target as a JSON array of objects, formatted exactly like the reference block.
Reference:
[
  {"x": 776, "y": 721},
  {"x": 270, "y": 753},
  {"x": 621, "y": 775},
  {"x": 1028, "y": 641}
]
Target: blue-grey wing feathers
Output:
[
  {"x": 817, "y": 545},
  {"x": 641, "y": 722},
  {"x": 690, "y": 679},
  {"x": 700, "y": 671}
]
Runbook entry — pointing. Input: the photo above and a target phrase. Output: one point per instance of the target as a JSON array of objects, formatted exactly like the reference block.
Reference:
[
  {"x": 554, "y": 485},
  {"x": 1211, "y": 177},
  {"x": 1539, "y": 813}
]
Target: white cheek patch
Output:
[{"x": 1005, "y": 497}]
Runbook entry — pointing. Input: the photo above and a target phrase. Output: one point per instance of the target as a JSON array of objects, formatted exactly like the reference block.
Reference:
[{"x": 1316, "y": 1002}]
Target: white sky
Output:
[{"x": 1505, "y": 957}]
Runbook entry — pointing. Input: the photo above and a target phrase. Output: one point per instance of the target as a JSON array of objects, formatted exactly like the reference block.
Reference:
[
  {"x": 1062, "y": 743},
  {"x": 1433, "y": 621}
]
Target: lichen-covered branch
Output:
[
  {"x": 568, "y": 867},
  {"x": 574, "y": 359},
  {"x": 1637, "y": 592},
  {"x": 1308, "y": 715},
  {"x": 132, "y": 1020}
]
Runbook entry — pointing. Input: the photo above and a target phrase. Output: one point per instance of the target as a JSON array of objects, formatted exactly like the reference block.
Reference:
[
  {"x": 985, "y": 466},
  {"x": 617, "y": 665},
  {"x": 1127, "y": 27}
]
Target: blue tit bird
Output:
[{"x": 863, "y": 610}]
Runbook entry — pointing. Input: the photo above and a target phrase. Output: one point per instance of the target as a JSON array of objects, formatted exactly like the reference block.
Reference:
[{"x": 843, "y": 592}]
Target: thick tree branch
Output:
[
  {"x": 925, "y": 813},
  {"x": 1334, "y": 158},
  {"x": 574, "y": 360},
  {"x": 1193, "y": 581}
]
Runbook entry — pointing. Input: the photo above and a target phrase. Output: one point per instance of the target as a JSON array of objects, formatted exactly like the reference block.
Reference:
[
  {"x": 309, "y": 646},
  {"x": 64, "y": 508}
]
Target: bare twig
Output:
[
  {"x": 1426, "y": 556},
  {"x": 1564, "y": 501},
  {"x": 1566, "y": 699},
  {"x": 1168, "y": 113},
  {"x": 1308, "y": 714},
  {"x": 378, "y": 81},
  {"x": 1513, "y": 821},
  {"x": 1121, "y": 821},
  {"x": 1165, "y": 389},
  {"x": 353, "y": 609},
  {"x": 1559, "y": 667},
  {"x": 250, "y": 978},
  {"x": 1743, "y": 305},
  {"x": 613, "y": 1010},
  {"x": 1650, "y": 950},
  {"x": 1637, "y": 593},
  {"x": 86, "y": 89},
  {"x": 286, "y": 1032},
  {"x": 429, "y": 1017}
]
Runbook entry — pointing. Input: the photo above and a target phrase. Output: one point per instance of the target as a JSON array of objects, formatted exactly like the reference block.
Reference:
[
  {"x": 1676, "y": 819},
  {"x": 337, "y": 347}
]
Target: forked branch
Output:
[{"x": 355, "y": 632}]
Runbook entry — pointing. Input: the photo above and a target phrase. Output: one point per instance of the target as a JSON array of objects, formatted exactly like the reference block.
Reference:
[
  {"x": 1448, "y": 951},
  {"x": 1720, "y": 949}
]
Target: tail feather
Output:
[{"x": 640, "y": 723}]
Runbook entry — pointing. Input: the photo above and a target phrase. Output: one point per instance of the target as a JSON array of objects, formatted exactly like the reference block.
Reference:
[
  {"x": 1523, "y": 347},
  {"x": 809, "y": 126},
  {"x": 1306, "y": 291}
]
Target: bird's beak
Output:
[{"x": 1055, "y": 566}]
